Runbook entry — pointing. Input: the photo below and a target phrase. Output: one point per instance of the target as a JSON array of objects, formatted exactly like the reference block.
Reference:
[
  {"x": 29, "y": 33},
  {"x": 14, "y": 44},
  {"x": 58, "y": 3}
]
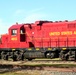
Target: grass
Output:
[
  {"x": 29, "y": 72},
  {"x": 47, "y": 59},
  {"x": 52, "y": 65},
  {"x": 30, "y": 69},
  {"x": 9, "y": 73},
  {"x": 14, "y": 73}
]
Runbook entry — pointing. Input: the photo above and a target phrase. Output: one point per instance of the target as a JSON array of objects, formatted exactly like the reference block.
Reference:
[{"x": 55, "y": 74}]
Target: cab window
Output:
[
  {"x": 14, "y": 32},
  {"x": 21, "y": 31}
]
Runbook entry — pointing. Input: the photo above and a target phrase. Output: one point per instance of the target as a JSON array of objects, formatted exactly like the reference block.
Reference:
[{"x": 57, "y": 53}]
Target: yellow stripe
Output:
[
  {"x": 37, "y": 49},
  {"x": 49, "y": 48},
  {"x": 29, "y": 49},
  {"x": 13, "y": 49},
  {"x": 64, "y": 48}
]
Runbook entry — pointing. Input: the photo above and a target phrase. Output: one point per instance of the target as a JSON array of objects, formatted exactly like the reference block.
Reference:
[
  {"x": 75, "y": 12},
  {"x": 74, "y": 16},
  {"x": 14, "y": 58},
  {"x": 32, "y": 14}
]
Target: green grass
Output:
[
  {"x": 52, "y": 65},
  {"x": 14, "y": 73},
  {"x": 47, "y": 59},
  {"x": 22, "y": 73},
  {"x": 9, "y": 73}
]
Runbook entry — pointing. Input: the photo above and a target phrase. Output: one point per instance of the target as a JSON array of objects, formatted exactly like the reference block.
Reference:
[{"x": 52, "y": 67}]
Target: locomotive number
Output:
[{"x": 15, "y": 38}]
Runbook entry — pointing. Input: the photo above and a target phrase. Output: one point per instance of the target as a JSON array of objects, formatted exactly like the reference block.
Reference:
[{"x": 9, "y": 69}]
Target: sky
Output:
[{"x": 29, "y": 11}]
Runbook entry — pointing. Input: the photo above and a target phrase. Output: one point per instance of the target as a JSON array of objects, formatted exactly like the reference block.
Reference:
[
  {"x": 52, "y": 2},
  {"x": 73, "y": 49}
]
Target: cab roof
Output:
[{"x": 16, "y": 26}]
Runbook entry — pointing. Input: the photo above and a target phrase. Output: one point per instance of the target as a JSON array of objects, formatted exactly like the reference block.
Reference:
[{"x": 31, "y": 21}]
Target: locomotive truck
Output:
[{"x": 42, "y": 39}]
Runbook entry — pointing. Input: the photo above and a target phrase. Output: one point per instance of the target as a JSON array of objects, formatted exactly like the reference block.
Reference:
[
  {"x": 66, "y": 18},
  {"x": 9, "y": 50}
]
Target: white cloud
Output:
[
  {"x": 34, "y": 17},
  {"x": 36, "y": 10},
  {"x": 19, "y": 11},
  {"x": 24, "y": 16}
]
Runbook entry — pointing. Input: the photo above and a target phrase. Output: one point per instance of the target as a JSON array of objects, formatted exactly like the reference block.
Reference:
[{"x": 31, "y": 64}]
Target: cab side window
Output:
[{"x": 14, "y": 32}]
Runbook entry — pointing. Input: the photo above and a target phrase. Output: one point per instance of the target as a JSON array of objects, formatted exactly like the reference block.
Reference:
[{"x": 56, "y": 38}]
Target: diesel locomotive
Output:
[{"x": 42, "y": 39}]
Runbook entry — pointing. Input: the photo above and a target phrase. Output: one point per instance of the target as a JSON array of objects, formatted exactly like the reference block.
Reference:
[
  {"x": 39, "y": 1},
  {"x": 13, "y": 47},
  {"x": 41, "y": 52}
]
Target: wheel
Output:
[
  {"x": 18, "y": 57},
  {"x": 5, "y": 57},
  {"x": 29, "y": 59},
  {"x": 22, "y": 58},
  {"x": 62, "y": 56},
  {"x": 14, "y": 58},
  {"x": 50, "y": 55},
  {"x": 47, "y": 55}
]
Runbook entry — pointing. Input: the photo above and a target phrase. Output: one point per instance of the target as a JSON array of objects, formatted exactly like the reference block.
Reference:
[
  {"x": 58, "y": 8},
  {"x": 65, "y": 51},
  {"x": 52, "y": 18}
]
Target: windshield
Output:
[{"x": 14, "y": 32}]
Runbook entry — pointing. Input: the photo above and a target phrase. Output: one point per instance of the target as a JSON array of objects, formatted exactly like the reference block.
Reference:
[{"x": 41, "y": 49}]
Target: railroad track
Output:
[
  {"x": 36, "y": 62},
  {"x": 49, "y": 66}
]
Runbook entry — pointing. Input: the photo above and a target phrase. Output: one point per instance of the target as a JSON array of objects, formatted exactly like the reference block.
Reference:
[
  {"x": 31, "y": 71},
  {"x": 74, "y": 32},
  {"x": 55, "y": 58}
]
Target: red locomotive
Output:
[{"x": 42, "y": 39}]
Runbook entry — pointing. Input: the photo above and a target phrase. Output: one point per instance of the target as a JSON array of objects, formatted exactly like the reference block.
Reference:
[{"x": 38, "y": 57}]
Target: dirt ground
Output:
[{"x": 47, "y": 71}]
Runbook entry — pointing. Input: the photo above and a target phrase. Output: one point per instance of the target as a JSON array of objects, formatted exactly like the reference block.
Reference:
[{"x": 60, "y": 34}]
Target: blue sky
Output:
[{"x": 27, "y": 11}]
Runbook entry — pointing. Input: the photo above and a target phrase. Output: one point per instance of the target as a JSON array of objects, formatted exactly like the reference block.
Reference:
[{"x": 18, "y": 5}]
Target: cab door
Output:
[{"x": 22, "y": 35}]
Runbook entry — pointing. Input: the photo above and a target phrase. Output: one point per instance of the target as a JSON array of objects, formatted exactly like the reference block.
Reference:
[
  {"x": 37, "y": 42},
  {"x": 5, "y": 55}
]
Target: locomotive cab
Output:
[{"x": 16, "y": 33}]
